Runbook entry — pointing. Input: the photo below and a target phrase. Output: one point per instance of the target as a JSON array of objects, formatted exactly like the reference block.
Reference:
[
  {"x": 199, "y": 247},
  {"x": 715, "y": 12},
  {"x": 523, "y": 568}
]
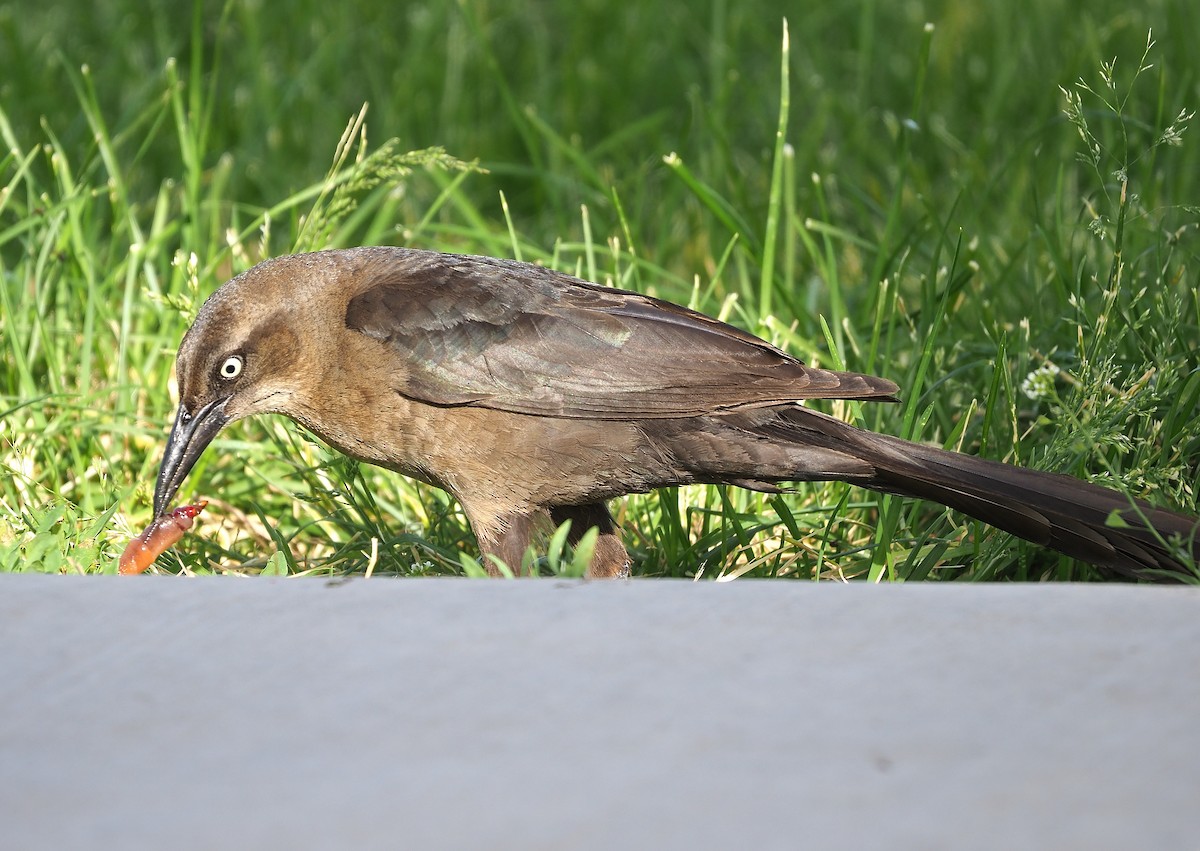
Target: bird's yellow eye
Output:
[{"x": 232, "y": 367}]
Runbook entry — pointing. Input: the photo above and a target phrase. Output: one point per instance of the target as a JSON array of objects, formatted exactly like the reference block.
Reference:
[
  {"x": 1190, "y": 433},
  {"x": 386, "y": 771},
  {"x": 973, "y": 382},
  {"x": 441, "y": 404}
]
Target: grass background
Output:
[{"x": 898, "y": 189}]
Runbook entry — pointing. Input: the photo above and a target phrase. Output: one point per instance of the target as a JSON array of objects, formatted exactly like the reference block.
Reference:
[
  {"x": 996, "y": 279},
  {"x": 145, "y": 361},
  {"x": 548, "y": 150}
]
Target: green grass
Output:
[{"x": 920, "y": 202}]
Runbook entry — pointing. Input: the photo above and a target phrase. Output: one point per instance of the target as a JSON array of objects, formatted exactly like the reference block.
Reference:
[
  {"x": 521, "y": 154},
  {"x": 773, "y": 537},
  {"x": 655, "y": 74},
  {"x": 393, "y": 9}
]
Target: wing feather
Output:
[{"x": 521, "y": 338}]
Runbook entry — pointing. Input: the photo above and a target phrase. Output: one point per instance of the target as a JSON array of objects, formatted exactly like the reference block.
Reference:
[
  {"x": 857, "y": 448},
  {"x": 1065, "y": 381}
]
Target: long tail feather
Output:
[{"x": 1085, "y": 521}]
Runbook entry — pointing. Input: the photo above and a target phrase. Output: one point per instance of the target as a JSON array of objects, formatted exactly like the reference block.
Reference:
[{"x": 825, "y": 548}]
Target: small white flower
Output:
[{"x": 1039, "y": 384}]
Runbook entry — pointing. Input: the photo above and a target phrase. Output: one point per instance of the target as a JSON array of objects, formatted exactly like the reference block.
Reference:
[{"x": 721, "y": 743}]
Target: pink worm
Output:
[{"x": 162, "y": 533}]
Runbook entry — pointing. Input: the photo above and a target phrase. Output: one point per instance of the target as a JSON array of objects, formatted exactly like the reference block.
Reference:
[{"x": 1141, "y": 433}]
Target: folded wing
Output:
[{"x": 508, "y": 336}]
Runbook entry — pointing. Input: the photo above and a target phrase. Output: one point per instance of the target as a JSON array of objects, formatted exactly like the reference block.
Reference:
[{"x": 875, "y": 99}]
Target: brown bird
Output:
[{"x": 531, "y": 395}]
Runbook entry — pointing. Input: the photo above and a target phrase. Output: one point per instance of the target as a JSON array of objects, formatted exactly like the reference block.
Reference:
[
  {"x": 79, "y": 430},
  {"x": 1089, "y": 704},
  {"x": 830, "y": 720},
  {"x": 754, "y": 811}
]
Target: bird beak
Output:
[{"x": 189, "y": 437}]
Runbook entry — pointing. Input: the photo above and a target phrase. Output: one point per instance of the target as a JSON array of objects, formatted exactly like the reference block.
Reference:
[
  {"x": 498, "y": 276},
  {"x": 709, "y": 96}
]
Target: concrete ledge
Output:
[{"x": 151, "y": 712}]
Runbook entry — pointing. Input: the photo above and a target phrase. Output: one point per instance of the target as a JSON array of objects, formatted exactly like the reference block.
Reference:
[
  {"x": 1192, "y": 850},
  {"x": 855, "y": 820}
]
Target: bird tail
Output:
[{"x": 1082, "y": 520}]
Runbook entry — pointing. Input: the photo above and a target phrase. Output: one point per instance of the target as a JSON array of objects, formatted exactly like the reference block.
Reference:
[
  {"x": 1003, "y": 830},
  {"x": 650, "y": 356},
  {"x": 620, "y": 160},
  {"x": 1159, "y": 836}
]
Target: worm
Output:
[{"x": 162, "y": 534}]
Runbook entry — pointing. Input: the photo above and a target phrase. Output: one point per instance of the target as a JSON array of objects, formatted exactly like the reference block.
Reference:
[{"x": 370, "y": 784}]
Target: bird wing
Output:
[{"x": 521, "y": 338}]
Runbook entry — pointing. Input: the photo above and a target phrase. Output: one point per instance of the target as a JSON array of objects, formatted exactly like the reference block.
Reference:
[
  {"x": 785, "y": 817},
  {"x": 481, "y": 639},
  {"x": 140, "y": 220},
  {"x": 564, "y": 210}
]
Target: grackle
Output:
[{"x": 532, "y": 396}]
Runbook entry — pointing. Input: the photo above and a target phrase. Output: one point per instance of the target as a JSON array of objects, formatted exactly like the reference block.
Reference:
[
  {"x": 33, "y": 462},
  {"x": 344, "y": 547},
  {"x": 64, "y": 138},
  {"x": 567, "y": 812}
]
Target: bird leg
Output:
[
  {"x": 507, "y": 539},
  {"x": 609, "y": 559}
]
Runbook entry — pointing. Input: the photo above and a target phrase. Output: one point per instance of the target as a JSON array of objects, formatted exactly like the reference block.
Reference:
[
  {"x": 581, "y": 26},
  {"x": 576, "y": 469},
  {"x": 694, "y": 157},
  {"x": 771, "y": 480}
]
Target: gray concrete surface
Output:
[{"x": 152, "y": 712}]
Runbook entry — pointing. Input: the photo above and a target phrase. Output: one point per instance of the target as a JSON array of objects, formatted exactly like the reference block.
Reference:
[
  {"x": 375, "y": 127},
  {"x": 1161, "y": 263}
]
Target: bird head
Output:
[{"x": 242, "y": 356}]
